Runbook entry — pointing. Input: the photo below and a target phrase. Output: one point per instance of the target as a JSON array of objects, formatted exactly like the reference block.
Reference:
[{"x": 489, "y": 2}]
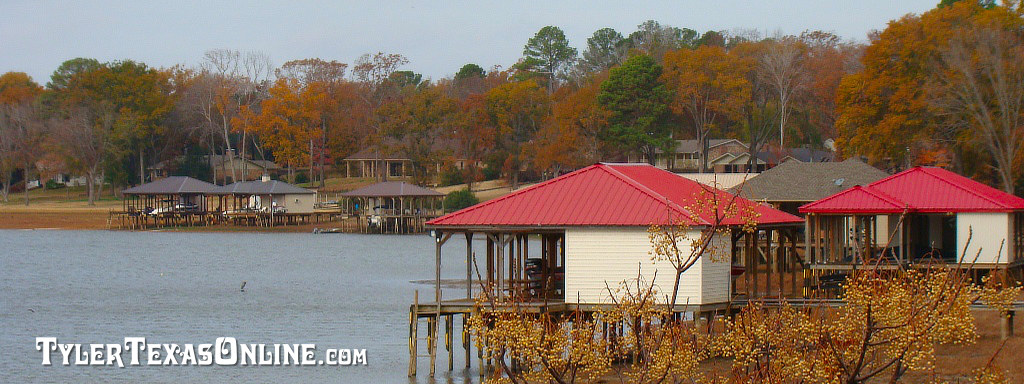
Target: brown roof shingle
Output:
[{"x": 801, "y": 182}]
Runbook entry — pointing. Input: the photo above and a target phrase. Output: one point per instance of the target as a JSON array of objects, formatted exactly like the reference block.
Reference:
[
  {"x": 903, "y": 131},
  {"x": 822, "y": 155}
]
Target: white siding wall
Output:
[
  {"x": 600, "y": 257},
  {"x": 297, "y": 203},
  {"x": 987, "y": 231}
]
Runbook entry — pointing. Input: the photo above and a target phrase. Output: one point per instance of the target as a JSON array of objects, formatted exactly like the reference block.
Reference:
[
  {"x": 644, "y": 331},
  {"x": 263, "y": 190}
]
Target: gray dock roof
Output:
[
  {"x": 259, "y": 187},
  {"x": 392, "y": 189},
  {"x": 174, "y": 185}
]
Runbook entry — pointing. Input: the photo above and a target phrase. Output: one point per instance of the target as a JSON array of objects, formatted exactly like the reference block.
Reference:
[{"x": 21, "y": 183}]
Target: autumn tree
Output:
[
  {"x": 760, "y": 113},
  {"x": 709, "y": 88},
  {"x": 571, "y": 137},
  {"x": 548, "y": 53},
  {"x": 980, "y": 90},
  {"x": 884, "y": 113},
  {"x": 517, "y": 111},
  {"x": 638, "y": 106},
  {"x": 18, "y": 126},
  {"x": 230, "y": 80},
  {"x": 781, "y": 66},
  {"x": 828, "y": 59},
  {"x": 85, "y": 140},
  {"x": 288, "y": 120},
  {"x": 374, "y": 76},
  {"x": 327, "y": 77},
  {"x": 473, "y": 135},
  {"x": 418, "y": 123}
]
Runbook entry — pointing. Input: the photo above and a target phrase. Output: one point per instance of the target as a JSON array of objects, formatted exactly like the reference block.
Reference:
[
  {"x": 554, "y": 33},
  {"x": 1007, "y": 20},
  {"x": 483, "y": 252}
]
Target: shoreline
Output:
[{"x": 85, "y": 219}]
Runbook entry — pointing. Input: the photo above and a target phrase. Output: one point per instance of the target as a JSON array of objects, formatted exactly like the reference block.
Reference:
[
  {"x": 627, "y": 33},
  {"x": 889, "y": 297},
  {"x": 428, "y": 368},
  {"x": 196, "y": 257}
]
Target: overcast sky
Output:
[{"x": 437, "y": 37}]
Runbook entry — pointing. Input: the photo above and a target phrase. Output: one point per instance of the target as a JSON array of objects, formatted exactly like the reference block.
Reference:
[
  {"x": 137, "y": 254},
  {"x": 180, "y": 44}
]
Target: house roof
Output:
[
  {"x": 806, "y": 155},
  {"x": 218, "y": 160},
  {"x": 174, "y": 185},
  {"x": 919, "y": 189},
  {"x": 693, "y": 146},
  {"x": 259, "y": 187},
  {"x": 392, "y": 189},
  {"x": 805, "y": 182},
  {"x": 609, "y": 195},
  {"x": 723, "y": 181}
]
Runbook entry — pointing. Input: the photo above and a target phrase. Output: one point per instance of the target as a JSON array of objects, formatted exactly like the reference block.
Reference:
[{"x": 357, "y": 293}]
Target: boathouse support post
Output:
[
  {"x": 413, "y": 332},
  {"x": 469, "y": 265}
]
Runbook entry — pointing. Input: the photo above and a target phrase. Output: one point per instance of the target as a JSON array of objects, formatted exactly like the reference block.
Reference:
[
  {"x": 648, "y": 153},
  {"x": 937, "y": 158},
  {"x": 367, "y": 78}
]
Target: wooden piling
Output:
[{"x": 413, "y": 332}]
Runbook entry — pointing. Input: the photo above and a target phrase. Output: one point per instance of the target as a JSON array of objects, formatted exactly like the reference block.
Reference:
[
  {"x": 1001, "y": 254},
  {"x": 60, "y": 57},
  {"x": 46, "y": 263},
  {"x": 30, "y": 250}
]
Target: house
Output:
[
  {"x": 923, "y": 213},
  {"x": 804, "y": 155},
  {"x": 593, "y": 224},
  {"x": 795, "y": 183},
  {"x": 223, "y": 168},
  {"x": 266, "y": 195},
  {"x": 724, "y": 155},
  {"x": 368, "y": 162}
]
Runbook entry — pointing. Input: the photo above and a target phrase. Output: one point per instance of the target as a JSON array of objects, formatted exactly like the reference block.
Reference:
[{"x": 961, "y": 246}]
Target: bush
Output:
[
  {"x": 451, "y": 176},
  {"x": 491, "y": 173},
  {"x": 301, "y": 178},
  {"x": 459, "y": 199},
  {"x": 51, "y": 184}
]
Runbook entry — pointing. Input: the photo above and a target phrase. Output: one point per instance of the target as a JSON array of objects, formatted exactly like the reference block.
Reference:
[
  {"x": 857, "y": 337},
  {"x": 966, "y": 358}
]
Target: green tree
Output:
[
  {"x": 469, "y": 71},
  {"x": 68, "y": 69},
  {"x": 605, "y": 49},
  {"x": 548, "y": 53},
  {"x": 639, "y": 106},
  {"x": 460, "y": 199},
  {"x": 654, "y": 39}
]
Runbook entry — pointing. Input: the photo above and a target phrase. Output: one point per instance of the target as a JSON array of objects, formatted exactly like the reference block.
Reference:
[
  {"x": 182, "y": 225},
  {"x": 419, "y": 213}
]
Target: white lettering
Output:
[
  {"x": 136, "y": 345},
  {"x": 227, "y": 351},
  {"x": 47, "y": 345}
]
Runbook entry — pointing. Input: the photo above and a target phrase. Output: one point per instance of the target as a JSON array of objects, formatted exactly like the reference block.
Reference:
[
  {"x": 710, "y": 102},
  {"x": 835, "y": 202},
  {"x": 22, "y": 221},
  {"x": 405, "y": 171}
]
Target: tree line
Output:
[{"x": 935, "y": 89}]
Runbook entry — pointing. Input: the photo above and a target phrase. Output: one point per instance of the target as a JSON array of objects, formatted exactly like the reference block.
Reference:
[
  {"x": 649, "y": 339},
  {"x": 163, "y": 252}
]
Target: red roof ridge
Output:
[
  {"x": 927, "y": 170},
  {"x": 866, "y": 189},
  {"x": 645, "y": 190}
]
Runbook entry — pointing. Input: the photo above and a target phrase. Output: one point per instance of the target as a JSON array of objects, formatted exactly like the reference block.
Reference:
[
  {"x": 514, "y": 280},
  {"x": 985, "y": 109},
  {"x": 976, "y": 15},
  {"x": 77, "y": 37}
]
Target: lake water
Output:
[{"x": 337, "y": 290}]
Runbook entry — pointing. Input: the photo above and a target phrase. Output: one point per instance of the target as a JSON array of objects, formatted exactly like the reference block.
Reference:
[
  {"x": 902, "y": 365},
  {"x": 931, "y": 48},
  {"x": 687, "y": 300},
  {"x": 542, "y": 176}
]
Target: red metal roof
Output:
[
  {"x": 919, "y": 189},
  {"x": 609, "y": 195}
]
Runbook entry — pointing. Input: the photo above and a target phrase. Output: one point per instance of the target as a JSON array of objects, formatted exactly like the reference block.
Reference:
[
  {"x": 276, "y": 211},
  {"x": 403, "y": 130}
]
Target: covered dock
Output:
[
  {"x": 171, "y": 201},
  {"x": 923, "y": 214},
  {"x": 558, "y": 245},
  {"x": 393, "y": 207}
]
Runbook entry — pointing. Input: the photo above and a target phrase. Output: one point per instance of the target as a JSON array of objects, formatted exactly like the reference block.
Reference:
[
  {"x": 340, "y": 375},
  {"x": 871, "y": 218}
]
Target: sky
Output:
[{"x": 438, "y": 37}]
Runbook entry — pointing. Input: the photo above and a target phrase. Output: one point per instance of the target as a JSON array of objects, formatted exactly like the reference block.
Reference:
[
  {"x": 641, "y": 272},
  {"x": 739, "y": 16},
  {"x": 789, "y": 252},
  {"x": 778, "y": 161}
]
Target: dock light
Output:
[{"x": 435, "y": 234}]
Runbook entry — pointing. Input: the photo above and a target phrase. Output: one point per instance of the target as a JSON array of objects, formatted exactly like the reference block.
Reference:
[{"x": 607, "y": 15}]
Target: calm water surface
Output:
[{"x": 338, "y": 291}]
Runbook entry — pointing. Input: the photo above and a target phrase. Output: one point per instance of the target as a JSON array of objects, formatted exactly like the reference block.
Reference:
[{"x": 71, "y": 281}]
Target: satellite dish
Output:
[{"x": 839, "y": 181}]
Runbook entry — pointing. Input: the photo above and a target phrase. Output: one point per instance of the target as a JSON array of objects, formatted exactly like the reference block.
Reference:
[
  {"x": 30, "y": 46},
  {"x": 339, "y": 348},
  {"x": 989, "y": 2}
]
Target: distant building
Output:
[
  {"x": 370, "y": 162},
  {"x": 223, "y": 168},
  {"x": 728, "y": 156}
]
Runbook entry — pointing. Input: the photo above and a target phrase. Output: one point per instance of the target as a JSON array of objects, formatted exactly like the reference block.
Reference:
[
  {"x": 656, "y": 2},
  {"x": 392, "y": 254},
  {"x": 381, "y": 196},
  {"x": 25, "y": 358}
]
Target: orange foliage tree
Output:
[{"x": 710, "y": 88}]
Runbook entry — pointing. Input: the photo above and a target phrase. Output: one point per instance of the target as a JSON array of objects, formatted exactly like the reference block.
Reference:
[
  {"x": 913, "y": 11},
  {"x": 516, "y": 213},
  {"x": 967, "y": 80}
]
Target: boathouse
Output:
[
  {"x": 923, "y": 212},
  {"x": 266, "y": 195},
  {"x": 593, "y": 227},
  {"x": 394, "y": 206},
  {"x": 169, "y": 201}
]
